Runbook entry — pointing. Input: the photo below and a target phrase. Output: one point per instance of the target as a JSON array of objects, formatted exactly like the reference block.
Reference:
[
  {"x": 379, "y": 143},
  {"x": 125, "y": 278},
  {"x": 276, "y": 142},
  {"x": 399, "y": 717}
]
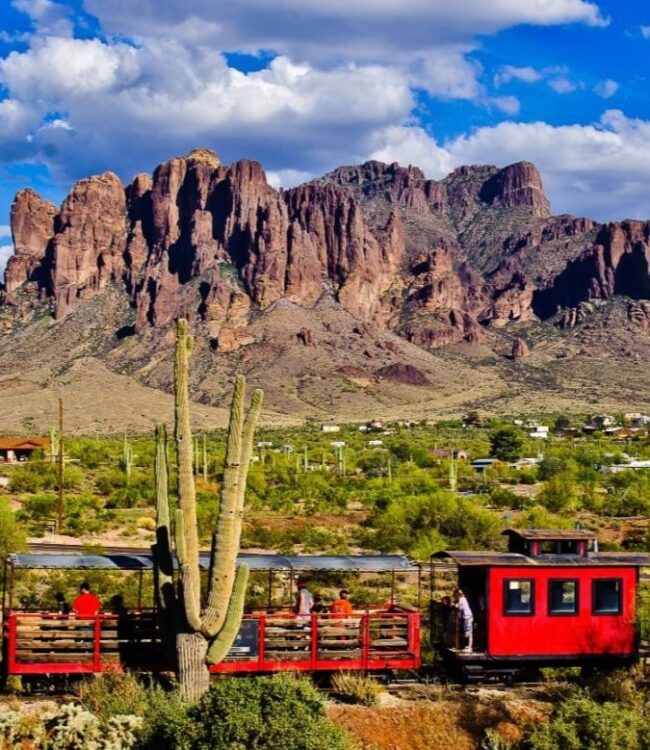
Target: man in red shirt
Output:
[
  {"x": 86, "y": 604},
  {"x": 342, "y": 606}
]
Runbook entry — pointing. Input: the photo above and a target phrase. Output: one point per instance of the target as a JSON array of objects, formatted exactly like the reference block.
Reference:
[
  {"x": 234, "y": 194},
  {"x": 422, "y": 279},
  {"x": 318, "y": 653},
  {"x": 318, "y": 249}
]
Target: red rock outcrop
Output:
[
  {"x": 426, "y": 259},
  {"x": 32, "y": 228},
  {"x": 520, "y": 349},
  {"x": 89, "y": 242}
]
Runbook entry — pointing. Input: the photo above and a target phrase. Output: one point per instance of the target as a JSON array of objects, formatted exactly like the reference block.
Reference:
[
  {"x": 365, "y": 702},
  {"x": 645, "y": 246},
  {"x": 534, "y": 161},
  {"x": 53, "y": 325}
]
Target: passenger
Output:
[
  {"x": 62, "y": 607},
  {"x": 342, "y": 606},
  {"x": 319, "y": 606},
  {"x": 304, "y": 599},
  {"x": 466, "y": 618},
  {"x": 86, "y": 604}
]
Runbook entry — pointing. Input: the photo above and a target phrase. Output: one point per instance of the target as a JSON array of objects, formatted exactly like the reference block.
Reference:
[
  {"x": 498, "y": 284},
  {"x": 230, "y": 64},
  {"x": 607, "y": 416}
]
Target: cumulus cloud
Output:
[
  {"x": 6, "y": 251},
  {"x": 645, "y": 32},
  {"x": 598, "y": 170},
  {"x": 606, "y": 88},
  {"x": 509, "y": 73},
  {"x": 562, "y": 85}
]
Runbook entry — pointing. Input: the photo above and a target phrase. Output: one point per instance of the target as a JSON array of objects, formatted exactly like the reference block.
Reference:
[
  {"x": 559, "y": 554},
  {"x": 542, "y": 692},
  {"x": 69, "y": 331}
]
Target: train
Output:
[{"x": 552, "y": 599}]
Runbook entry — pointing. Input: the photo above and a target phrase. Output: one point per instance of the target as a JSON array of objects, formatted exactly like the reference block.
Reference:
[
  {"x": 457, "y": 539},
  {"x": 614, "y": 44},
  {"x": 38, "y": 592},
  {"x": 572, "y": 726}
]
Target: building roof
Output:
[
  {"x": 550, "y": 534},
  {"x": 298, "y": 563},
  {"x": 512, "y": 559},
  {"x": 22, "y": 443}
]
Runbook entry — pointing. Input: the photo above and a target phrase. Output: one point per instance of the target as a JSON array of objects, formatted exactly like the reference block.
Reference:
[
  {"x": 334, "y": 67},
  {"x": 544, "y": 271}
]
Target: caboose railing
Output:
[{"x": 51, "y": 644}]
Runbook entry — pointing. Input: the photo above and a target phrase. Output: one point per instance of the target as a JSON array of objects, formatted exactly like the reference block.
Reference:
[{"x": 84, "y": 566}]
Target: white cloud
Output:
[
  {"x": 562, "y": 85},
  {"x": 645, "y": 32},
  {"x": 6, "y": 251},
  {"x": 598, "y": 170},
  {"x": 508, "y": 104},
  {"x": 5, "y": 231},
  {"x": 512, "y": 73},
  {"x": 606, "y": 89}
]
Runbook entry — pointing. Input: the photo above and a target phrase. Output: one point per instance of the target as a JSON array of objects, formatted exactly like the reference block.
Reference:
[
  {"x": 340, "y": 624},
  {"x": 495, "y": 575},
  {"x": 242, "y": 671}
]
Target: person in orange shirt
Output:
[
  {"x": 86, "y": 604},
  {"x": 342, "y": 606}
]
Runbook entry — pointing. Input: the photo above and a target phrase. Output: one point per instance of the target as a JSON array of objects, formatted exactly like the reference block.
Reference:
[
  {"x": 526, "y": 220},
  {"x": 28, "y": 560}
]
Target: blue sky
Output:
[{"x": 303, "y": 86}]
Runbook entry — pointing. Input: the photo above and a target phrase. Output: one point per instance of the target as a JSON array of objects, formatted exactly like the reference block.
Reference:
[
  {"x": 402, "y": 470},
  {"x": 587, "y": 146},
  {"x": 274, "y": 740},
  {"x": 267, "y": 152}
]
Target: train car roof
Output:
[
  {"x": 513, "y": 559},
  {"x": 551, "y": 534},
  {"x": 135, "y": 561}
]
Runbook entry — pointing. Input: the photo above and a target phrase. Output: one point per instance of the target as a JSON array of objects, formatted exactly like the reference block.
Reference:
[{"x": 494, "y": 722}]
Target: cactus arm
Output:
[
  {"x": 190, "y": 585},
  {"x": 219, "y": 647},
  {"x": 190, "y": 577},
  {"x": 162, "y": 551},
  {"x": 247, "y": 447},
  {"x": 225, "y": 543}
]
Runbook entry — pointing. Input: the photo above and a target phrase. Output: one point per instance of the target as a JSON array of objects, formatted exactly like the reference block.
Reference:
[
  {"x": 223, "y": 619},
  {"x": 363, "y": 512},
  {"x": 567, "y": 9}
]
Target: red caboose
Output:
[{"x": 552, "y": 599}]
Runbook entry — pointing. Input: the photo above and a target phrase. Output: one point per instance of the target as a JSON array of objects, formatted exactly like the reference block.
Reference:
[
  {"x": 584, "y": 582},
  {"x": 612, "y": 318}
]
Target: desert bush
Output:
[
  {"x": 356, "y": 688},
  {"x": 580, "y": 723},
  {"x": 113, "y": 694},
  {"x": 146, "y": 522},
  {"x": 619, "y": 686},
  {"x": 265, "y": 713},
  {"x": 12, "y": 535}
]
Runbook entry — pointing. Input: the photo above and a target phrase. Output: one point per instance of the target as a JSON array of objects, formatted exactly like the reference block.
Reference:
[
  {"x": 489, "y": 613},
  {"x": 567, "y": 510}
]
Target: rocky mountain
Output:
[{"x": 409, "y": 266}]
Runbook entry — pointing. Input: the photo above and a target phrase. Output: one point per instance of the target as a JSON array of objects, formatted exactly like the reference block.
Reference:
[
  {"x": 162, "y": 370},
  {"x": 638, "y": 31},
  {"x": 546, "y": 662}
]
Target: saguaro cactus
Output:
[
  {"x": 127, "y": 458},
  {"x": 201, "y": 635}
]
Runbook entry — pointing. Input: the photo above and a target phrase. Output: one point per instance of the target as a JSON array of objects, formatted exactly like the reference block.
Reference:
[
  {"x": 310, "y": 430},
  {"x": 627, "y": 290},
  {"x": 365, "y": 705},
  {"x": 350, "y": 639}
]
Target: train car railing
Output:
[
  {"x": 363, "y": 640},
  {"x": 39, "y": 643},
  {"x": 49, "y": 644}
]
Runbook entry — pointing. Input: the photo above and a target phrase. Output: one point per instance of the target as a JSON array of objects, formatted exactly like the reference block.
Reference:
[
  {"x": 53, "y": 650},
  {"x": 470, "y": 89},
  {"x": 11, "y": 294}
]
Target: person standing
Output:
[
  {"x": 466, "y": 618},
  {"x": 86, "y": 604},
  {"x": 62, "y": 607},
  {"x": 304, "y": 599}
]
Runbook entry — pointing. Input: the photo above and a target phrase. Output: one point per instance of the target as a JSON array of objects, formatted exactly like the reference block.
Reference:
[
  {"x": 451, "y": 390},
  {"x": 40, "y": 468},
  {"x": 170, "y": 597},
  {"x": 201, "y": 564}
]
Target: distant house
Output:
[
  {"x": 21, "y": 449},
  {"x": 635, "y": 464},
  {"x": 375, "y": 443},
  {"x": 636, "y": 419},
  {"x": 330, "y": 428},
  {"x": 481, "y": 465},
  {"x": 526, "y": 463},
  {"x": 539, "y": 431},
  {"x": 444, "y": 453}
]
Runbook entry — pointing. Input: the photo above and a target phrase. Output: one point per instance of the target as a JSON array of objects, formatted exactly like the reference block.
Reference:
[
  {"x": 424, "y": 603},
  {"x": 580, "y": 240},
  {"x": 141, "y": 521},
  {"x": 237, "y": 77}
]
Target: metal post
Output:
[
  {"x": 419, "y": 586},
  {"x": 11, "y": 587},
  {"x": 392, "y": 587},
  {"x": 269, "y": 602},
  {"x": 4, "y": 586},
  {"x": 60, "y": 468},
  {"x": 140, "y": 590}
]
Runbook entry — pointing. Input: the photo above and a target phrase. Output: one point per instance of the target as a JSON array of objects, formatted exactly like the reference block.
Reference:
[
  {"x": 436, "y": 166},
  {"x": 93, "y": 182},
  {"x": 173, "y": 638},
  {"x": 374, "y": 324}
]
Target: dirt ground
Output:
[{"x": 457, "y": 724}]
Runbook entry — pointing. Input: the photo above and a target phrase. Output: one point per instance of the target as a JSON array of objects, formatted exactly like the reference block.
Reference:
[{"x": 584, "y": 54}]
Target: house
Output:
[
  {"x": 21, "y": 449},
  {"x": 635, "y": 464},
  {"x": 529, "y": 462},
  {"x": 636, "y": 419},
  {"x": 444, "y": 453},
  {"x": 375, "y": 443},
  {"x": 481, "y": 465},
  {"x": 539, "y": 431},
  {"x": 330, "y": 428}
]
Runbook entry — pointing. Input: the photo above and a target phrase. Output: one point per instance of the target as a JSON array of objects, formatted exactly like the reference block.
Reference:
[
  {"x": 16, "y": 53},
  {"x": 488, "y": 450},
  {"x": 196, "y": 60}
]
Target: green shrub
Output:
[
  {"x": 267, "y": 713},
  {"x": 113, "y": 694},
  {"x": 356, "y": 688},
  {"x": 581, "y": 723}
]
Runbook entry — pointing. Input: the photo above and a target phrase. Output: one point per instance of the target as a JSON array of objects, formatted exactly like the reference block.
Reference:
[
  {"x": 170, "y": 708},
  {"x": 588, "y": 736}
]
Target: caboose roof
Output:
[
  {"x": 550, "y": 534},
  {"x": 512, "y": 559}
]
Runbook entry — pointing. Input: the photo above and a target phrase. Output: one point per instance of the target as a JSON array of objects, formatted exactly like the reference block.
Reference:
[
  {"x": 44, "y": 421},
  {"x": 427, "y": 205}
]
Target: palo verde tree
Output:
[{"x": 200, "y": 631}]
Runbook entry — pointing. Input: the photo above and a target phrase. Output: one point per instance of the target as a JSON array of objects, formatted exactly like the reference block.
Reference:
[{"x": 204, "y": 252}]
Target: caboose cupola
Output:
[{"x": 542, "y": 542}]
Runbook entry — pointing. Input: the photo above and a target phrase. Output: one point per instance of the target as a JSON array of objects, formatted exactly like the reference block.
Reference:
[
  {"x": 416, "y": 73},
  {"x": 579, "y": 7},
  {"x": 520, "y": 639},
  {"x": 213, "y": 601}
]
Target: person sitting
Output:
[
  {"x": 319, "y": 607},
  {"x": 62, "y": 607},
  {"x": 342, "y": 606},
  {"x": 86, "y": 604}
]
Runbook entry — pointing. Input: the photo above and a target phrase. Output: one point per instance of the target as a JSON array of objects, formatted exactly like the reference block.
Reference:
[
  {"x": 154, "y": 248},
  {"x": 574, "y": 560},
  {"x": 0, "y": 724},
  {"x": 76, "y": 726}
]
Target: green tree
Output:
[
  {"x": 12, "y": 534},
  {"x": 506, "y": 444}
]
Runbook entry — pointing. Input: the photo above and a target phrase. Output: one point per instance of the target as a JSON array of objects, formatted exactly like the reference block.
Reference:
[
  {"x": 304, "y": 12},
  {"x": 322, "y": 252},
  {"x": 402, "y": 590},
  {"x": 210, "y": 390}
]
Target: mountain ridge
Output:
[{"x": 404, "y": 263}]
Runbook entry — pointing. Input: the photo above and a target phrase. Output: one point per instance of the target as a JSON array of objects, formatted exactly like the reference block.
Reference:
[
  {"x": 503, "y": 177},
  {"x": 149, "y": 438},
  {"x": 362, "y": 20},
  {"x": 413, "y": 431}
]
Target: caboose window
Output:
[
  {"x": 518, "y": 596},
  {"x": 607, "y": 596},
  {"x": 563, "y": 597}
]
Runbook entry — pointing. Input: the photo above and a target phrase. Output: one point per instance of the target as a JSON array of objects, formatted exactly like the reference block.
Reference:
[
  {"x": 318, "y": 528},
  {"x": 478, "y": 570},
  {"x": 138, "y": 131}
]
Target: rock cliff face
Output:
[{"x": 437, "y": 262}]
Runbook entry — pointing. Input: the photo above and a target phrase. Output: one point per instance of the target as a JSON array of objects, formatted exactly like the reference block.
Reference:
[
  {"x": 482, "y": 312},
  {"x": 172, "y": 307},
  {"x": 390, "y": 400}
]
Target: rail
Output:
[{"x": 37, "y": 643}]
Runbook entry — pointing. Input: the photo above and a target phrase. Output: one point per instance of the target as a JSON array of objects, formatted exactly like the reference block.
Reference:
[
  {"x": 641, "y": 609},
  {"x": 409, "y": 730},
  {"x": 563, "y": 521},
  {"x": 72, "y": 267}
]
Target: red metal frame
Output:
[{"x": 404, "y": 658}]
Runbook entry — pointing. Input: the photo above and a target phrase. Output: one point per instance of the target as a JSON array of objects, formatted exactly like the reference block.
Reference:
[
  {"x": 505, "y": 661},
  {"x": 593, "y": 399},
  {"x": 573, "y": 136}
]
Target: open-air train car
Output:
[
  {"x": 44, "y": 643},
  {"x": 551, "y": 600}
]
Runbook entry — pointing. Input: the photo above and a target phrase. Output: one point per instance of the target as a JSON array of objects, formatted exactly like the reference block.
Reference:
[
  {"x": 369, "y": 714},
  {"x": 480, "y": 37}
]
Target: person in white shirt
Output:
[
  {"x": 304, "y": 599},
  {"x": 466, "y": 618}
]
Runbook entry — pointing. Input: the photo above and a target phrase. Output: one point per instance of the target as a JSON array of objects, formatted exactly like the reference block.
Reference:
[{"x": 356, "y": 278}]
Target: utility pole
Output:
[{"x": 60, "y": 467}]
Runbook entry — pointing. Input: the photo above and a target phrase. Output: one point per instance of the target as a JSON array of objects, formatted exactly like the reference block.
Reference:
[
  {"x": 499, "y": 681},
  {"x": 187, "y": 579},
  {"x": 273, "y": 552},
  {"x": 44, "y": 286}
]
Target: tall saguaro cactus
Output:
[{"x": 202, "y": 630}]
